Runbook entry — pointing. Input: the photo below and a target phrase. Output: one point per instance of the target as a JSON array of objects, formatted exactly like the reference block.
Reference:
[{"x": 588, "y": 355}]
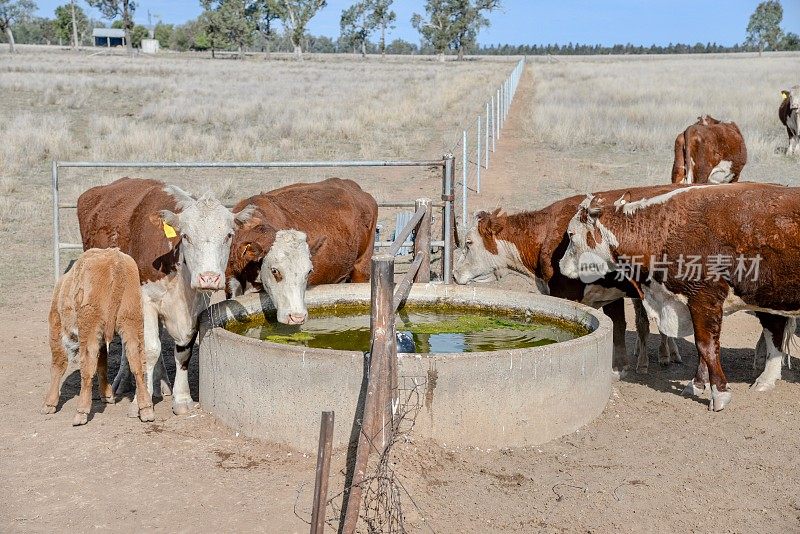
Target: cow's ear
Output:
[
  {"x": 314, "y": 247},
  {"x": 170, "y": 219},
  {"x": 246, "y": 217},
  {"x": 252, "y": 251},
  {"x": 594, "y": 212},
  {"x": 785, "y": 94},
  {"x": 496, "y": 224}
]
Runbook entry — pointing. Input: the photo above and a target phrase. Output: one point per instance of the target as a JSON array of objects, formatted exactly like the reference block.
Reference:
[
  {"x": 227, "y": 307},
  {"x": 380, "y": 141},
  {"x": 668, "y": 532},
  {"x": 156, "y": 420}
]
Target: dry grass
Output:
[
  {"x": 643, "y": 103},
  {"x": 67, "y": 106}
]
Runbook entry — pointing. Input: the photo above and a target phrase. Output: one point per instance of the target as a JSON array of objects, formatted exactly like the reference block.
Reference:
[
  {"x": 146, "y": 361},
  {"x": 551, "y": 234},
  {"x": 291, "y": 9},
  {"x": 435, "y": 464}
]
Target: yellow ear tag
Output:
[{"x": 169, "y": 231}]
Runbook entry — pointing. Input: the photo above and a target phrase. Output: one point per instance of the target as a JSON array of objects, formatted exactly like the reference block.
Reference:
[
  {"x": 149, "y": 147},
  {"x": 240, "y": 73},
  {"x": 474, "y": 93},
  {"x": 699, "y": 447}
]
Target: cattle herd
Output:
[{"x": 685, "y": 253}]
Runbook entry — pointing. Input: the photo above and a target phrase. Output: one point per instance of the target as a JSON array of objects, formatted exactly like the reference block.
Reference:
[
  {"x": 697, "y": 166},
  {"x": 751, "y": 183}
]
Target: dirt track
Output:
[{"x": 653, "y": 461}]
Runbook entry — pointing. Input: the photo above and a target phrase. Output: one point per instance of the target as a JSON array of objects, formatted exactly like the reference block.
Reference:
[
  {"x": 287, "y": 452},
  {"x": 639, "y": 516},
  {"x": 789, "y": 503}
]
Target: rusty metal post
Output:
[
  {"x": 382, "y": 368},
  {"x": 323, "y": 473},
  {"x": 422, "y": 241}
]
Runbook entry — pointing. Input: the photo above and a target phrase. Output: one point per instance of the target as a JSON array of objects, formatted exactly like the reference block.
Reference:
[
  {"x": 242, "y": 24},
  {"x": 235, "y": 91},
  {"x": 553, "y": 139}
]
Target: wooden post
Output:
[
  {"x": 323, "y": 472},
  {"x": 422, "y": 241},
  {"x": 383, "y": 367}
]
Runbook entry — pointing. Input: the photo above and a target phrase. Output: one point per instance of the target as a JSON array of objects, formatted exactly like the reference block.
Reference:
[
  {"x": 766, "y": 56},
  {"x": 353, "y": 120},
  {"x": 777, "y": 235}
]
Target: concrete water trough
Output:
[{"x": 504, "y": 398}]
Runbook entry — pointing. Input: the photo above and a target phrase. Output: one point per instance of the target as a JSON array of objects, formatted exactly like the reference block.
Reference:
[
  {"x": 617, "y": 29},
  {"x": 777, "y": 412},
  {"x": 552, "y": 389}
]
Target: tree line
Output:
[{"x": 445, "y": 27}]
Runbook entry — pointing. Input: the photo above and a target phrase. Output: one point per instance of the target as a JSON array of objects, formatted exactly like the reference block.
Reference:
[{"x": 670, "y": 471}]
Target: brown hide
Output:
[
  {"x": 125, "y": 214},
  {"x": 704, "y": 145},
  {"x": 337, "y": 216},
  {"x": 729, "y": 219},
  {"x": 540, "y": 236},
  {"x": 99, "y": 296}
]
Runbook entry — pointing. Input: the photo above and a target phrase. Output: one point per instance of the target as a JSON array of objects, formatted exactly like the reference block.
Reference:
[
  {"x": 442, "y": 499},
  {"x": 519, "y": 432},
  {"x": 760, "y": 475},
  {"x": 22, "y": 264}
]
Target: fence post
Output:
[
  {"x": 498, "y": 119},
  {"x": 56, "y": 229},
  {"x": 486, "y": 141},
  {"x": 422, "y": 241},
  {"x": 464, "y": 190},
  {"x": 323, "y": 473},
  {"x": 379, "y": 402},
  {"x": 448, "y": 218},
  {"x": 478, "y": 156},
  {"x": 494, "y": 129}
]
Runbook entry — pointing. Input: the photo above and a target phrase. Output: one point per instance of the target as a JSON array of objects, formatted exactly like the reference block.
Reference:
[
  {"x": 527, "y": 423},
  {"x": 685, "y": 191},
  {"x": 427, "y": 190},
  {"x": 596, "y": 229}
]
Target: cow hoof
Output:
[
  {"x": 110, "y": 399},
  {"x": 80, "y": 419},
  {"x": 182, "y": 408},
  {"x": 693, "y": 390},
  {"x": 166, "y": 391},
  {"x": 719, "y": 399},
  {"x": 763, "y": 387},
  {"x": 133, "y": 409},
  {"x": 147, "y": 415},
  {"x": 48, "y": 409}
]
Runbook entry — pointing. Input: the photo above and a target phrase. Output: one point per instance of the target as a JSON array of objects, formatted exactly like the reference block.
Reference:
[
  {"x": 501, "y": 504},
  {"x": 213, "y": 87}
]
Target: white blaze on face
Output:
[
  {"x": 206, "y": 228},
  {"x": 585, "y": 258},
  {"x": 284, "y": 274},
  {"x": 474, "y": 262}
]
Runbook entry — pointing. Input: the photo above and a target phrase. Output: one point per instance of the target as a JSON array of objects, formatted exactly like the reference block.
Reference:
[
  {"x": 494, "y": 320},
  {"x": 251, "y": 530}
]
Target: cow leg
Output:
[
  {"x": 616, "y": 312},
  {"x": 103, "y": 386},
  {"x": 700, "y": 383},
  {"x": 143, "y": 402},
  {"x": 707, "y": 322},
  {"x": 642, "y": 333},
  {"x": 182, "y": 398},
  {"x": 668, "y": 351},
  {"x": 760, "y": 354},
  {"x": 88, "y": 354},
  {"x": 119, "y": 386},
  {"x": 58, "y": 367},
  {"x": 152, "y": 351},
  {"x": 774, "y": 327}
]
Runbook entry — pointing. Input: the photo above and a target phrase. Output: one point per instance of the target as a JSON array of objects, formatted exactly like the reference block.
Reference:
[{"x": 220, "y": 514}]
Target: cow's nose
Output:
[
  {"x": 296, "y": 318},
  {"x": 210, "y": 280}
]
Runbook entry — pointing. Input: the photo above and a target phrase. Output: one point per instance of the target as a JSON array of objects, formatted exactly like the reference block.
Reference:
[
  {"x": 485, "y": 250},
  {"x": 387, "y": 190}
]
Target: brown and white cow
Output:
[
  {"x": 709, "y": 151},
  {"x": 532, "y": 243},
  {"x": 788, "y": 113},
  {"x": 724, "y": 231},
  {"x": 97, "y": 297},
  {"x": 180, "y": 245},
  {"x": 303, "y": 235}
]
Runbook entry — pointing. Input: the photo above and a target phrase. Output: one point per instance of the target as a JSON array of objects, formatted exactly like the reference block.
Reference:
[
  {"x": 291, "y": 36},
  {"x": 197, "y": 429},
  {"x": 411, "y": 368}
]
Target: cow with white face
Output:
[
  {"x": 531, "y": 243},
  {"x": 747, "y": 259},
  {"x": 789, "y": 113},
  {"x": 181, "y": 246},
  {"x": 303, "y": 235}
]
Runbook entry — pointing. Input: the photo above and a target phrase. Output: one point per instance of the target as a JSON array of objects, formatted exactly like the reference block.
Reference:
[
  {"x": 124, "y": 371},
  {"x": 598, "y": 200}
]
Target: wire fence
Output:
[{"x": 479, "y": 139}]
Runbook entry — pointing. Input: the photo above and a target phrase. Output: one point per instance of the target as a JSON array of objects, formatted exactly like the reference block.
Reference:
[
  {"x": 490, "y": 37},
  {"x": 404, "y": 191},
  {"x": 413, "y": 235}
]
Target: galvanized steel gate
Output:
[{"x": 447, "y": 243}]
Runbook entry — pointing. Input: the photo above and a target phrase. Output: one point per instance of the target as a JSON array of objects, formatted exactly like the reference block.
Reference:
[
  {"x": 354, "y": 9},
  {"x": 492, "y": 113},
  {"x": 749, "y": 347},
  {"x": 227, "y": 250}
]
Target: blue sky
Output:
[{"x": 545, "y": 21}]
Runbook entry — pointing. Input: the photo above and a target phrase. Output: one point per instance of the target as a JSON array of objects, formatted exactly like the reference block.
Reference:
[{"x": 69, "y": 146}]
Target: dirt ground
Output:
[{"x": 654, "y": 461}]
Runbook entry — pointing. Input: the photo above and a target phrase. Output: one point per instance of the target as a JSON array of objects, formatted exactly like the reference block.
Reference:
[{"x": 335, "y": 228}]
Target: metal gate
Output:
[{"x": 447, "y": 243}]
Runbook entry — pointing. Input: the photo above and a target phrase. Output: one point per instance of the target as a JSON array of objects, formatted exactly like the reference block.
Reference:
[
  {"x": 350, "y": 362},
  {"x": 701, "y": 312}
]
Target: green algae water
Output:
[{"x": 433, "y": 329}]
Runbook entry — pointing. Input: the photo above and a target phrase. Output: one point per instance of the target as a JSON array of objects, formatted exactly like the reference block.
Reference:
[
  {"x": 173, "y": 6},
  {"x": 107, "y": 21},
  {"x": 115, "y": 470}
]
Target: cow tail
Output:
[
  {"x": 788, "y": 339},
  {"x": 686, "y": 158}
]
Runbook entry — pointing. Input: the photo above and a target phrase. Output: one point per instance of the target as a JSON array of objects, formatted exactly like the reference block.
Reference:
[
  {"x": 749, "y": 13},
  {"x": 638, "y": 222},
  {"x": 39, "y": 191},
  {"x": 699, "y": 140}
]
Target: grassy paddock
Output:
[{"x": 642, "y": 103}]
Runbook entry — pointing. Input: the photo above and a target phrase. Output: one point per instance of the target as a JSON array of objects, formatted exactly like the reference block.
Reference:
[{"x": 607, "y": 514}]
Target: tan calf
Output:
[{"x": 99, "y": 296}]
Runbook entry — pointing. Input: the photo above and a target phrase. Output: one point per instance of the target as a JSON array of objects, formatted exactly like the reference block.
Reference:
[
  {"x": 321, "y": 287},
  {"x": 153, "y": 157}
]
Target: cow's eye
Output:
[
  {"x": 186, "y": 238},
  {"x": 276, "y": 274},
  {"x": 229, "y": 236}
]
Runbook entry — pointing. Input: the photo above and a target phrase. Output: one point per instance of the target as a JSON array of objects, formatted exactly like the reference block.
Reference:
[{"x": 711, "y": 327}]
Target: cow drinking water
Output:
[{"x": 303, "y": 235}]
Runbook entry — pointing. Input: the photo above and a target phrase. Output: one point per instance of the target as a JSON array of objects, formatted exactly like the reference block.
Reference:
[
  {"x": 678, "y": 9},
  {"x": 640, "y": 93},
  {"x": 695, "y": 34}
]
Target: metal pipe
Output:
[
  {"x": 56, "y": 232},
  {"x": 447, "y": 230},
  {"x": 464, "y": 190},
  {"x": 381, "y": 204},
  {"x": 478, "y": 156},
  {"x": 486, "y": 140},
  {"x": 246, "y": 165}
]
